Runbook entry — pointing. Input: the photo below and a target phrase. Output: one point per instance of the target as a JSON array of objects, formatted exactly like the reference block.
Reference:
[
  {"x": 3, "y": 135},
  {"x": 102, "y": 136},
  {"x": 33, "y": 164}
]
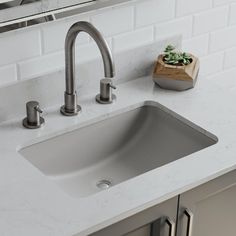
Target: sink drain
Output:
[{"x": 104, "y": 184}]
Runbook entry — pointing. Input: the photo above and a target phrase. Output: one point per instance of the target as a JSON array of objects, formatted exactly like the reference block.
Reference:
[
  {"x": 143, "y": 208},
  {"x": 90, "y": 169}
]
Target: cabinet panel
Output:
[
  {"x": 151, "y": 222},
  {"x": 213, "y": 206},
  {"x": 143, "y": 231}
]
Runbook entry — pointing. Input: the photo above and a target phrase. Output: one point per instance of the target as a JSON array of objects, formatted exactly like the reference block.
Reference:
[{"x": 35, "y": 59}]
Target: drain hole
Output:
[{"x": 104, "y": 184}]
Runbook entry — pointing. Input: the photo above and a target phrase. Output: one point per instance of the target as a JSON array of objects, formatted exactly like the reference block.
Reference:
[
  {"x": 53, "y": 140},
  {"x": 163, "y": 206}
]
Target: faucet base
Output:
[
  {"x": 28, "y": 125},
  {"x": 66, "y": 112},
  {"x": 105, "y": 101}
]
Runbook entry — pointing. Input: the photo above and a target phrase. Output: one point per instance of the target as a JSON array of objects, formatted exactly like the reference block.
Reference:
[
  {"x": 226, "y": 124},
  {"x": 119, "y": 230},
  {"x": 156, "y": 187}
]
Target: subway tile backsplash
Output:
[
  {"x": 192, "y": 6},
  {"x": 207, "y": 27},
  {"x": 211, "y": 20},
  {"x": 18, "y": 46}
]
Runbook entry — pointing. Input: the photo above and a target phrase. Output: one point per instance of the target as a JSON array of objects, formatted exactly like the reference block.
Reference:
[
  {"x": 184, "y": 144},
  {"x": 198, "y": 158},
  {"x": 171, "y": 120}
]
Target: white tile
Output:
[
  {"x": 114, "y": 21},
  {"x": 223, "y": 39},
  {"x": 87, "y": 52},
  {"x": 182, "y": 26},
  {"x": 222, "y": 2},
  {"x": 232, "y": 17},
  {"x": 56, "y": 61},
  {"x": 185, "y": 7},
  {"x": 133, "y": 39},
  {"x": 212, "y": 63},
  {"x": 54, "y": 34},
  {"x": 19, "y": 45},
  {"x": 197, "y": 45},
  {"x": 152, "y": 12},
  {"x": 41, "y": 65},
  {"x": 230, "y": 58},
  {"x": 210, "y": 20},
  {"x": 8, "y": 74}
]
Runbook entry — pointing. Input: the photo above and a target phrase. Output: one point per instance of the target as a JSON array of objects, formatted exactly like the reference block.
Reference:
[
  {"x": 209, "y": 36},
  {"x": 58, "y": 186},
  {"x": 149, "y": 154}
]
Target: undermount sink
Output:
[{"x": 103, "y": 154}]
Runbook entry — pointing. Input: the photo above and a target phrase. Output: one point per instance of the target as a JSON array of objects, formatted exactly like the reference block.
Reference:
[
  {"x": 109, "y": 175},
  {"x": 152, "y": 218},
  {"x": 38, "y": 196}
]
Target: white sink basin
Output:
[{"x": 116, "y": 149}]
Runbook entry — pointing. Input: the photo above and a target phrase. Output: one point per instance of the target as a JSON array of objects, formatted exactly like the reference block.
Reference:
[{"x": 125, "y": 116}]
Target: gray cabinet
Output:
[
  {"x": 208, "y": 210},
  {"x": 157, "y": 221}
]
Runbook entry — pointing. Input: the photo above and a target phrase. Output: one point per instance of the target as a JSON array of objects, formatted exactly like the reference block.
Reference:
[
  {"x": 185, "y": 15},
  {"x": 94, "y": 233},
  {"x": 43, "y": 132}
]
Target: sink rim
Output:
[{"x": 111, "y": 114}]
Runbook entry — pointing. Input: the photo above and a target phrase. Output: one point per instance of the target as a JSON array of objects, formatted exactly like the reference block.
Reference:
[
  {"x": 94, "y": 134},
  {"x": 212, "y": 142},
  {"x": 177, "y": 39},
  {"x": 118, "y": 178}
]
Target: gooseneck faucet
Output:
[{"x": 71, "y": 107}]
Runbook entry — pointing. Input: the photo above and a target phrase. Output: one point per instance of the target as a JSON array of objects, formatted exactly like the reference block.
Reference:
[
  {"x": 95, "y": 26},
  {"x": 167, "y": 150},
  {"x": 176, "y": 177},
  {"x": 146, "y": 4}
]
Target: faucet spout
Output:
[{"x": 71, "y": 107}]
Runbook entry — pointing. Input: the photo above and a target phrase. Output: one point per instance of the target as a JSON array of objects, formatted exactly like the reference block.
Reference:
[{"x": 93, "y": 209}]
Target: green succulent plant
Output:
[{"x": 174, "y": 57}]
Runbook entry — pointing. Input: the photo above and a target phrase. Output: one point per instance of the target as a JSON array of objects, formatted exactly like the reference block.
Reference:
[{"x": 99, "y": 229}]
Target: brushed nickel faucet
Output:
[
  {"x": 71, "y": 107},
  {"x": 33, "y": 119},
  {"x": 106, "y": 95}
]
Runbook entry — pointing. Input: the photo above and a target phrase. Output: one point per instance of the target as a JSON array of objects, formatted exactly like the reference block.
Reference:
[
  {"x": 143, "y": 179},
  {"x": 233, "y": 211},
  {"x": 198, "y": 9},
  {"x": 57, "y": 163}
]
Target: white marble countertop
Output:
[{"x": 31, "y": 204}]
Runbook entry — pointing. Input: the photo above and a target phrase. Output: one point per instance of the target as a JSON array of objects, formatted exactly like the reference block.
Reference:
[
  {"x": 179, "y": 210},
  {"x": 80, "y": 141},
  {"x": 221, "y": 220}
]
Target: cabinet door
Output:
[
  {"x": 155, "y": 221},
  {"x": 209, "y": 210}
]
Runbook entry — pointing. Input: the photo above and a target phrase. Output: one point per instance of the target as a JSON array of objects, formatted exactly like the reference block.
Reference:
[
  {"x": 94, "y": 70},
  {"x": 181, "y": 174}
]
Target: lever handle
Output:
[
  {"x": 38, "y": 109},
  {"x": 112, "y": 86}
]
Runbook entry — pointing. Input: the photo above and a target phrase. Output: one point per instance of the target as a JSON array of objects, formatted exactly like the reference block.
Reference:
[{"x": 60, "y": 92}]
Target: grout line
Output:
[
  {"x": 223, "y": 62},
  {"x": 229, "y": 15},
  {"x": 135, "y": 16},
  {"x": 209, "y": 43},
  {"x": 39, "y": 41},
  {"x": 193, "y": 24},
  {"x": 175, "y": 14},
  {"x": 42, "y": 46}
]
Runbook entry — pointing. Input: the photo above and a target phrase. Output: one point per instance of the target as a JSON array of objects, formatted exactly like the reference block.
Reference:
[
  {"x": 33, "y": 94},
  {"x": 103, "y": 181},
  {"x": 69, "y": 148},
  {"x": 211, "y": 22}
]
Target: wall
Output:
[{"x": 208, "y": 28}]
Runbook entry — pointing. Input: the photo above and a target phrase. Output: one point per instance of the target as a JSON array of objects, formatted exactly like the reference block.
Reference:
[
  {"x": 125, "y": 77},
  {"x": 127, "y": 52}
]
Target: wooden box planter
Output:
[{"x": 176, "y": 77}]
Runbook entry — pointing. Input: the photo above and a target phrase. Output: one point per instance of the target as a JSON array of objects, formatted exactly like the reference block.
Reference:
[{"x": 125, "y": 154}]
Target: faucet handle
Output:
[
  {"x": 33, "y": 119},
  {"x": 106, "y": 96},
  {"x": 38, "y": 109},
  {"x": 112, "y": 86}
]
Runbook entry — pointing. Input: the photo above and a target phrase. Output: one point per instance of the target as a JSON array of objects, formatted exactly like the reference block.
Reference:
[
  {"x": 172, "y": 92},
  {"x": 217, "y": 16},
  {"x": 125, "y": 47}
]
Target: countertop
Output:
[{"x": 31, "y": 204}]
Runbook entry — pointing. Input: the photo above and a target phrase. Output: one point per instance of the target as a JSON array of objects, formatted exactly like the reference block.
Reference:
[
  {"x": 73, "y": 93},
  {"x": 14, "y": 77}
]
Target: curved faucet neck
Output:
[{"x": 71, "y": 36}]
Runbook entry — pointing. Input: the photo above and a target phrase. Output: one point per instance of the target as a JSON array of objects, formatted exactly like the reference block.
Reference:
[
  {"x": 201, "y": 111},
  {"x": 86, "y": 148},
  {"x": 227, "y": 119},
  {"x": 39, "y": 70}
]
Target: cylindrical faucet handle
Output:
[
  {"x": 33, "y": 112},
  {"x": 106, "y": 96},
  {"x": 33, "y": 119},
  {"x": 106, "y": 89}
]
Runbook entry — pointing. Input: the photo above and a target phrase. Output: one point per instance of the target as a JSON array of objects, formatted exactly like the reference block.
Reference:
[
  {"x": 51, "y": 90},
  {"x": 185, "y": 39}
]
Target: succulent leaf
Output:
[{"x": 173, "y": 57}]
